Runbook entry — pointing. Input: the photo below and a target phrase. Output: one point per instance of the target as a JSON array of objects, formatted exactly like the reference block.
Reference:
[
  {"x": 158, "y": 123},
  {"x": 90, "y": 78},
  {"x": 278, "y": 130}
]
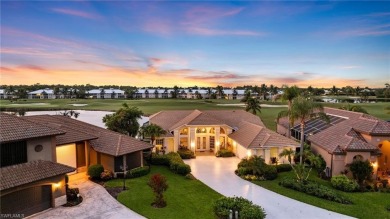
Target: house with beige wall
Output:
[
  {"x": 349, "y": 136},
  {"x": 212, "y": 130}
]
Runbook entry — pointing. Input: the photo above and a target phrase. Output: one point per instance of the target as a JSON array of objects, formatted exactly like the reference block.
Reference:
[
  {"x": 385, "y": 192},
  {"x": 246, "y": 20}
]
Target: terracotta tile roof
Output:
[
  {"x": 32, "y": 171},
  {"x": 72, "y": 135},
  {"x": 170, "y": 120},
  {"x": 108, "y": 142},
  {"x": 13, "y": 128},
  {"x": 254, "y": 136}
]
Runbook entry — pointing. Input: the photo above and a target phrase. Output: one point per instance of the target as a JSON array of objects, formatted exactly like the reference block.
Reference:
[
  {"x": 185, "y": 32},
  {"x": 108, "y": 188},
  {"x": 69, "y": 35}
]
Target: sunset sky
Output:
[{"x": 195, "y": 43}]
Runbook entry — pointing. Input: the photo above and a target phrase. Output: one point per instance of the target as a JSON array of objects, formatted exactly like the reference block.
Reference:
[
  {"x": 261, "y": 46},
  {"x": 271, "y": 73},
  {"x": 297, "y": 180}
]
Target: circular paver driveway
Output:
[
  {"x": 97, "y": 203},
  {"x": 218, "y": 173}
]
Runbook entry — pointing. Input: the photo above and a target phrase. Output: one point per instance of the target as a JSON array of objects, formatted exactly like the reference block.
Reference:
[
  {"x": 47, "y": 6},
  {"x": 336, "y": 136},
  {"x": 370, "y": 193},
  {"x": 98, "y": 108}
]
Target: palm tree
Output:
[
  {"x": 253, "y": 105},
  {"x": 334, "y": 90},
  {"x": 219, "y": 90},
  {"x": 175, "y": 91},
  {"x": 246, "y": 97},
  {"x": 357, "y": 90},
  {"x": 289, "y": 94},
  {"x": 263, "y": 90},
  {"x": 153, "y": 131},
  {"x": 287, "y": 153},
  {"x": 303, "y": 110},
  {"x": 257, "y": 90},
  {"x": 209, "y": 92}
]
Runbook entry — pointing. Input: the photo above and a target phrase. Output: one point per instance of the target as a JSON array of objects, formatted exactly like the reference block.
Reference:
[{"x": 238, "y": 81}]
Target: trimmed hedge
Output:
[
  {"x": 314, "y": 189},
  {"x": 173, "y": 161},
  {"x": 270, "y": 172},
  {"x": 186, "y": 153},
  {"x": 283, "y": 168},
  {"x": 225, "y": 153},
  {"x": 342, "y": 183},
  {"x": 254, "y": 168},
  {"x": 94, "y": 171},
  {"x": 138, "y": 172},
  {"x": 246, "y": 209}
]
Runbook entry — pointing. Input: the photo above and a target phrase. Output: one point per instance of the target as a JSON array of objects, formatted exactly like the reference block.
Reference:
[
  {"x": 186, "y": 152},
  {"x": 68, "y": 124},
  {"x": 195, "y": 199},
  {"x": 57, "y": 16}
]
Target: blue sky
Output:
[{"x": 196, "y": 43}]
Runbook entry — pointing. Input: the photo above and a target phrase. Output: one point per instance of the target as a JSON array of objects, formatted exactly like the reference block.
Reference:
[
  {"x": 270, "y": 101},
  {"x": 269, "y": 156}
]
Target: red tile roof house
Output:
[
  {"x": 211, "y": 130},
  {"x": 349, "y": 136},
  {"x": 37, "y": 152}
]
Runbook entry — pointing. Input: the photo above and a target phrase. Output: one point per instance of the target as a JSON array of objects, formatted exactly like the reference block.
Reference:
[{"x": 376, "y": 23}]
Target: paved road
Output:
[
  {"x": 218, "y": 173},
  {"x": 97, "y": 203}
]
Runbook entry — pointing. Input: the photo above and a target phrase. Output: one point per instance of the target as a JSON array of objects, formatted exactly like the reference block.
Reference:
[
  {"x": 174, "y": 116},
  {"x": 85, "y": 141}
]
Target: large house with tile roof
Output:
[
  {"x": 212, "y": 130},
  {"x": 37, "y": 152},
  {"x": 348, "y": 136}
]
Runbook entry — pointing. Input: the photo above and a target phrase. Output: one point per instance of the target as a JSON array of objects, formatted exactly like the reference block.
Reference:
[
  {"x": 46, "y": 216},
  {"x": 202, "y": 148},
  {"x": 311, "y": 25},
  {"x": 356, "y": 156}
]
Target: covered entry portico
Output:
[{"x": 202, "y": 138}]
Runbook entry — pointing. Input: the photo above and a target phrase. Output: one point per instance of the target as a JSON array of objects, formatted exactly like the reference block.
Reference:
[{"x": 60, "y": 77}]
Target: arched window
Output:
[
  {"x": 212, "y": 131},
  {"x": 184, "y": 131},
  {"x": 357, "y": 157},
  {"x": 201, "y": 130},
  {"x": 222, "y": 131}
]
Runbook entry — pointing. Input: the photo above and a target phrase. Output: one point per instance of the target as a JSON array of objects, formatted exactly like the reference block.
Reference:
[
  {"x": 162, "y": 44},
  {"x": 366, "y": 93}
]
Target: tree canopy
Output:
[{"x": 124, "y": 120}]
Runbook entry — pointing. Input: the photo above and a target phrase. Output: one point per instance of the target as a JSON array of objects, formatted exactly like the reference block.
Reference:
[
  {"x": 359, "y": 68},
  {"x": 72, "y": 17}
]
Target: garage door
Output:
[{"x": 28, "y": 201}]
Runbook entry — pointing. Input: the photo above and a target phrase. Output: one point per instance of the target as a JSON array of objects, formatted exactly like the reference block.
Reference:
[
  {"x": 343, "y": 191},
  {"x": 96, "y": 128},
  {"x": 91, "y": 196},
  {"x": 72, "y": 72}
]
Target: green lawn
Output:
[
  {"x": 185, "y": 198},
  {"x": 150, "y": 106},
  {"x": 366, "y": 205}
]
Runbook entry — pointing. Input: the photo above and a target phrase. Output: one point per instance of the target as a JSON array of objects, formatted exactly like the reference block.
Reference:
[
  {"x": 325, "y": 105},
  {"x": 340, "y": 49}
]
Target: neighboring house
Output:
[
  {"x": 3, "y": 94},
  {"x": 42, "y": 94},
  {"x": 30, "y": 178},
  {"x": 348, "y": 136},
  {"x": 84, "y": 144},
  {"x": 212, "y": 130},
  {"x": 105, "y": 93}
]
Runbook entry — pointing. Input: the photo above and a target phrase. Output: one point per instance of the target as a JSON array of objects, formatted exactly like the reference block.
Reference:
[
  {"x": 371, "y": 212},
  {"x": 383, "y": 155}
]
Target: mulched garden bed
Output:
[
  {"x": 114, "y": 191},
  {"x": 73, "y": 203}
]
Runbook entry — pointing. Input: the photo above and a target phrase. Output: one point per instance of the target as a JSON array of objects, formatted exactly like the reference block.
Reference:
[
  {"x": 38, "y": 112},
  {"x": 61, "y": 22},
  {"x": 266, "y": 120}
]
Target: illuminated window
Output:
[
  {"x": 201, "y": 130},
  {"x": 184, "y": 131},
  {"x": 160, "y": 141},
  {"x": 212, "y": 131},
  {"x": 222, "y": 131}
]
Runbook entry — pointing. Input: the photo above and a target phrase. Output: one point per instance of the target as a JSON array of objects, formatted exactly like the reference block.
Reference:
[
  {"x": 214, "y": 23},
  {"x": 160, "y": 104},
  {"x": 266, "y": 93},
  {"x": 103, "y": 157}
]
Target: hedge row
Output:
[
  {"x": 245, "y": 208},
  {"x": 138, "y": 172},
  {"x": 173, "y": 161},
  {"x": 225, "y": 153},
  {"x": 186, "y": 153},
  {"x": 314, "y": 189},
  {"x": 283, "y": 168}
]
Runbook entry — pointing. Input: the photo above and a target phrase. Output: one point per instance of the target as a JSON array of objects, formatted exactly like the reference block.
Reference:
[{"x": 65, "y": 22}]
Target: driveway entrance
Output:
[{"x": 218, "y": 173}]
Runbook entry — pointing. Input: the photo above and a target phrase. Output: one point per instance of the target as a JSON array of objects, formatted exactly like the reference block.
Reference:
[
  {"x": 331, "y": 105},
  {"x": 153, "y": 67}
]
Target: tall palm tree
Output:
[
  {"x": 334, "y": 90},
  {"x": 246, "y": 97},
  {"x": 287, "y": 153},
  {"x": 219, "y": 90},
  {"x": 209, "y": 92},
  {"x": 289, "y": 94},
  {"x": 153, "y": 131},
  {"x": 303, "y": 109},
  {"x": 253, "y": 105},
  {"x": 257, "y": 90},
  {"x": 263, "y": 90}
]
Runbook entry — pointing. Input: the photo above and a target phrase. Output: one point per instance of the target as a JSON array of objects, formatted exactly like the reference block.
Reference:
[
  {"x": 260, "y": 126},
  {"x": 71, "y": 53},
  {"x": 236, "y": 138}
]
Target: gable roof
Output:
[
  {"x": 253, "y": 136},
  {"x": 170, "y": 120},
  {"x": 32, "y": 171},
  {"x": 108, "y": 142},
  {"x": 13, "y": 128},
  {"x": 71, "y": 135}
]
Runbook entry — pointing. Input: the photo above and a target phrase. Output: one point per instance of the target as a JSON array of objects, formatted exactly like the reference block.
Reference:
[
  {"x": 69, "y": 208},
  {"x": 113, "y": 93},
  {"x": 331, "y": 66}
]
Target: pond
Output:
[{"x": 91, "y": 117}]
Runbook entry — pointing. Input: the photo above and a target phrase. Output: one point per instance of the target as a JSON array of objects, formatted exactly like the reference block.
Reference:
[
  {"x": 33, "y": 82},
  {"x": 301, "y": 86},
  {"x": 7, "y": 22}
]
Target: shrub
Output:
[
  {"x": 173, "y": 161},
  {"x": 159, "y": 159},
  {"x": 314, "y": 189},
  {"x": 246, "y": 208},
  {"x": 225, "y": 153},
  {"x": 255, "y": 166},
  {"x": 388, "y": 207},
  {"x": 183, "y": 169},
  {"x": 94, "y": 171},
  {"x": 106, "y": 175},
  {"x": 159, "y": 185},
  {"x": 138, "y": 172},
  {"x": 283, "y": 168},
  {"x": 361, "y": 170},
  {"x": 342, "y": 183},
  {"x": 384, "y": 182},
  {"x": 186, "y": 153},
  {"x": 270, "y": 172}
]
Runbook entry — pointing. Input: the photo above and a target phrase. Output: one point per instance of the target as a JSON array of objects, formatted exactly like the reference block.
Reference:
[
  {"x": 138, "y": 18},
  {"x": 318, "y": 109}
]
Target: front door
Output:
[{"x": 201, "y": 143}]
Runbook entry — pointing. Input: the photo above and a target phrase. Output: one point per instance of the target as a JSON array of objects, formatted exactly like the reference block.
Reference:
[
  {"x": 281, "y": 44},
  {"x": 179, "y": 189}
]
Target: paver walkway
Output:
[
  {"x": 97, "y": 203},
  {"x": 218, "y": 173}
]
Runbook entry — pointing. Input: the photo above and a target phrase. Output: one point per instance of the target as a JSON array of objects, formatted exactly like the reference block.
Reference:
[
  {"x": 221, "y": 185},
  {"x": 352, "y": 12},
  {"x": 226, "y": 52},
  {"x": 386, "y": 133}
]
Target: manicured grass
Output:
[
  {"x": 185, "y": 198},
  {"x": 366, "y": 205},
  {"x": 151, "y": 106}
]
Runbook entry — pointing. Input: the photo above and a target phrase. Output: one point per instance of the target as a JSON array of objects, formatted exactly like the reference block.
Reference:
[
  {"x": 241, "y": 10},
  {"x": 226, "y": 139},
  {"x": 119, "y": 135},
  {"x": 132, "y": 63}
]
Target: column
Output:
[
  {"x": 217, "y": 143},
  {"x": 267, "y": 155},
  {"x": 281, "y": 159},
  {"x": 192, "y": 141},
  {"x": 176, "y": 140}
]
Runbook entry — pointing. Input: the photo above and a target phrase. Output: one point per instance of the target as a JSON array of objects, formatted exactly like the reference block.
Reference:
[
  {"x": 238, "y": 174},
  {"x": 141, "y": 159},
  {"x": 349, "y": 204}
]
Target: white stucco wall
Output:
[
  {"x": 48, "y": 145},
  {"x": 241, "y": 151}
]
